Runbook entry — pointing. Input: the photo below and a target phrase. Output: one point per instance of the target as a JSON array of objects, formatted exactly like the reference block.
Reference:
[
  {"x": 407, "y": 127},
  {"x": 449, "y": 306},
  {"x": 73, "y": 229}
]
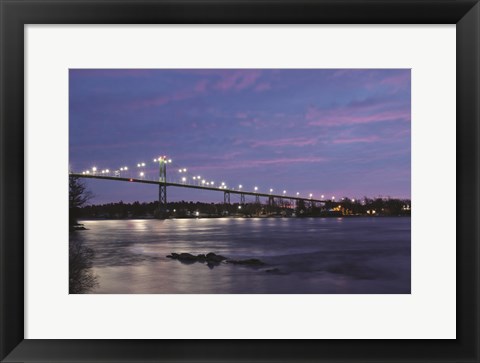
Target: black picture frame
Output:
[{"x": 15, "y": 14}]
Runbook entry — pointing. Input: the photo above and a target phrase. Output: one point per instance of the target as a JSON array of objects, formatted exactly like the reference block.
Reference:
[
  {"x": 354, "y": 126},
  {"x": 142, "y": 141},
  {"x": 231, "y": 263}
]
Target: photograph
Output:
[{"x": 239, "y": 181}]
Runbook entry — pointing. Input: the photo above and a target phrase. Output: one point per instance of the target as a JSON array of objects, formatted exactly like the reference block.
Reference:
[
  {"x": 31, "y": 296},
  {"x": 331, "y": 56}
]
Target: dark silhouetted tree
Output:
[{"x": 78, "y": 196}]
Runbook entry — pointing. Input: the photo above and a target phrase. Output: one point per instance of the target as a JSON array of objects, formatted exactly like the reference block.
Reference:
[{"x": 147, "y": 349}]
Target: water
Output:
[{"x": 316, "y": 255}]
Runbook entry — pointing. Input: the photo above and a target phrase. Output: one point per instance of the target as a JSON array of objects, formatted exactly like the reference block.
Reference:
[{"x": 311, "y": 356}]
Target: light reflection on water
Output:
[{"x": 345, "y": 255}]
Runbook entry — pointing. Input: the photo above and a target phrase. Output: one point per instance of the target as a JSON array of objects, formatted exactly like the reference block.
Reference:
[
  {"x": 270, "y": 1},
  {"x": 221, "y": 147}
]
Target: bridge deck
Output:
[{"x": 180, "y": 185}]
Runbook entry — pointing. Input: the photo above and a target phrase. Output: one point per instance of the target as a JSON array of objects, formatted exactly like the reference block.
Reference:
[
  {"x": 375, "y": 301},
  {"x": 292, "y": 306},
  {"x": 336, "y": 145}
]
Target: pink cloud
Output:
[
  {"x": 299, "y": 141},
  {"x": 355, "y": 140},
  {"x": 359, "y": 112},
  {"x": 351, "y": 119},
  {"x": 398, "y": 81},
  {"x": 199, "y": 88},
  {"x": 238, "y": 80},
  {"x": 241, "y": 115},
  {"x": 262, "y": 87},
  {"x": 245, "y": 164}
]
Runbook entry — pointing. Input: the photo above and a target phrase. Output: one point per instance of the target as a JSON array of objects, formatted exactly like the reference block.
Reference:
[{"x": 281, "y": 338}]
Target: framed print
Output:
[{"x": 246, "y": 181}]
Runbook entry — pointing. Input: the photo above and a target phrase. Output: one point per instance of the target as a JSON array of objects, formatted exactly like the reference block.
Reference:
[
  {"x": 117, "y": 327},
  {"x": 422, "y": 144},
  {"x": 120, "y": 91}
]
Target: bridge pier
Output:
[
  {"x": 226, "y": 197},
  {"x": 162, "y": 189},
  {"x": 271, "y": 201}
]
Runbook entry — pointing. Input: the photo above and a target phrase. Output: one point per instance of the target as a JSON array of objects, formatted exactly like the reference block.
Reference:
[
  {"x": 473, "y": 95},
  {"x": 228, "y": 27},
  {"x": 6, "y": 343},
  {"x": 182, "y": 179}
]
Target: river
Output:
[{"x": 359, "y": 255}]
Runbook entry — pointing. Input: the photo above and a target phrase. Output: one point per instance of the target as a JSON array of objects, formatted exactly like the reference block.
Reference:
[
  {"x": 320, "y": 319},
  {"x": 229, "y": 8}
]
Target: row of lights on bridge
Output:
[{"x": 198, "y": 178}]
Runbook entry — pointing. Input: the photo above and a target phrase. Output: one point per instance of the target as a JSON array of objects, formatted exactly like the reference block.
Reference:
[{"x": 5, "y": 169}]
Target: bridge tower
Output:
[
  {"x": 242, "y": 198},
  {"x": 162, "y": 187},
  {"x": 226, "y": 197},
  {"x": 257, "y": 199}
]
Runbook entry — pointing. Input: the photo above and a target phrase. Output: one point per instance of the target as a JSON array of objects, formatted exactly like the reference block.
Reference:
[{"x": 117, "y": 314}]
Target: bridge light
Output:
[
  {"x": 107, "y": 171},
  {"x": 125, "y": 168},
  {"x": 87, "y": 172},
  {"x": 203, "y": 181},
  {"x": 271, "y": 190},
  {"x": 240, "y": 186},
  {"x": 298, "y": 193},
  {"x": 184, "y": 179},
  {"x": 142, "y": 174},
  {"x": 223, "y": 183},
  {"x": 284, "y": 192},
  {"x": 194, "y": 178},
  {"x": 138, "y": 165},
  {"x": 169, "y": 160},
  {"x": 83, "y": 172},
  {"x": 154, "y": 160},
  {"x": 333, "y": 198},
  {"x": 143, "y": 164},
  {"x": 179, "y": 170},
  {"x": 198, "y": 177},
  {"x": 310, "y": 195},
  {"x": 184, "y": 170},
  {"x": 256, "y": 188},
  {"x": 121, "y": 169},
  {"x": 322, "y": 196},
  {"x": 212, "y": 182},
  {"x": 94, "y": 169}
]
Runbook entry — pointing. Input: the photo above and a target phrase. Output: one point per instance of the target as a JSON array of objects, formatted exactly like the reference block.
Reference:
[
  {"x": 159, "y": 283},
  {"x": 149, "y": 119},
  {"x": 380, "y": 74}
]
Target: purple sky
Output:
[{"x": 336, "y": 132}]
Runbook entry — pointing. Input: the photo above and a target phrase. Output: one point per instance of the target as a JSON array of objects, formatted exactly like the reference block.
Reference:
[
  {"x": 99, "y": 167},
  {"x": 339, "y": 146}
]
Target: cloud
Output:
[
  {"x": 256, "y": 163},
  {"x": 354, "y": 140},
  {"x": 359, "y": 112},
  {"x": 199, "y": 88},
  {"x": 298, "y": 141},
  {"x": 264, "y": 86},
  {"x": 237, "y": 80}
]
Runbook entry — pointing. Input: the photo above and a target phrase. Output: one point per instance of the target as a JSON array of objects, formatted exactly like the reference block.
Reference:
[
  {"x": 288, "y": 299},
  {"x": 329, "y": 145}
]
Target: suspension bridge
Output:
[{"x": 124, "y": 174}]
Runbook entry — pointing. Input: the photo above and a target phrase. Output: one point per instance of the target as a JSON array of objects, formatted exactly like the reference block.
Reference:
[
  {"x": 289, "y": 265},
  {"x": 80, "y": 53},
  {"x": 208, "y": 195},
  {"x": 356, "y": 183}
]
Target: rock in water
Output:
[
  {"x": 249, "y": 262},
  {"x": 212, "y": 257}
]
